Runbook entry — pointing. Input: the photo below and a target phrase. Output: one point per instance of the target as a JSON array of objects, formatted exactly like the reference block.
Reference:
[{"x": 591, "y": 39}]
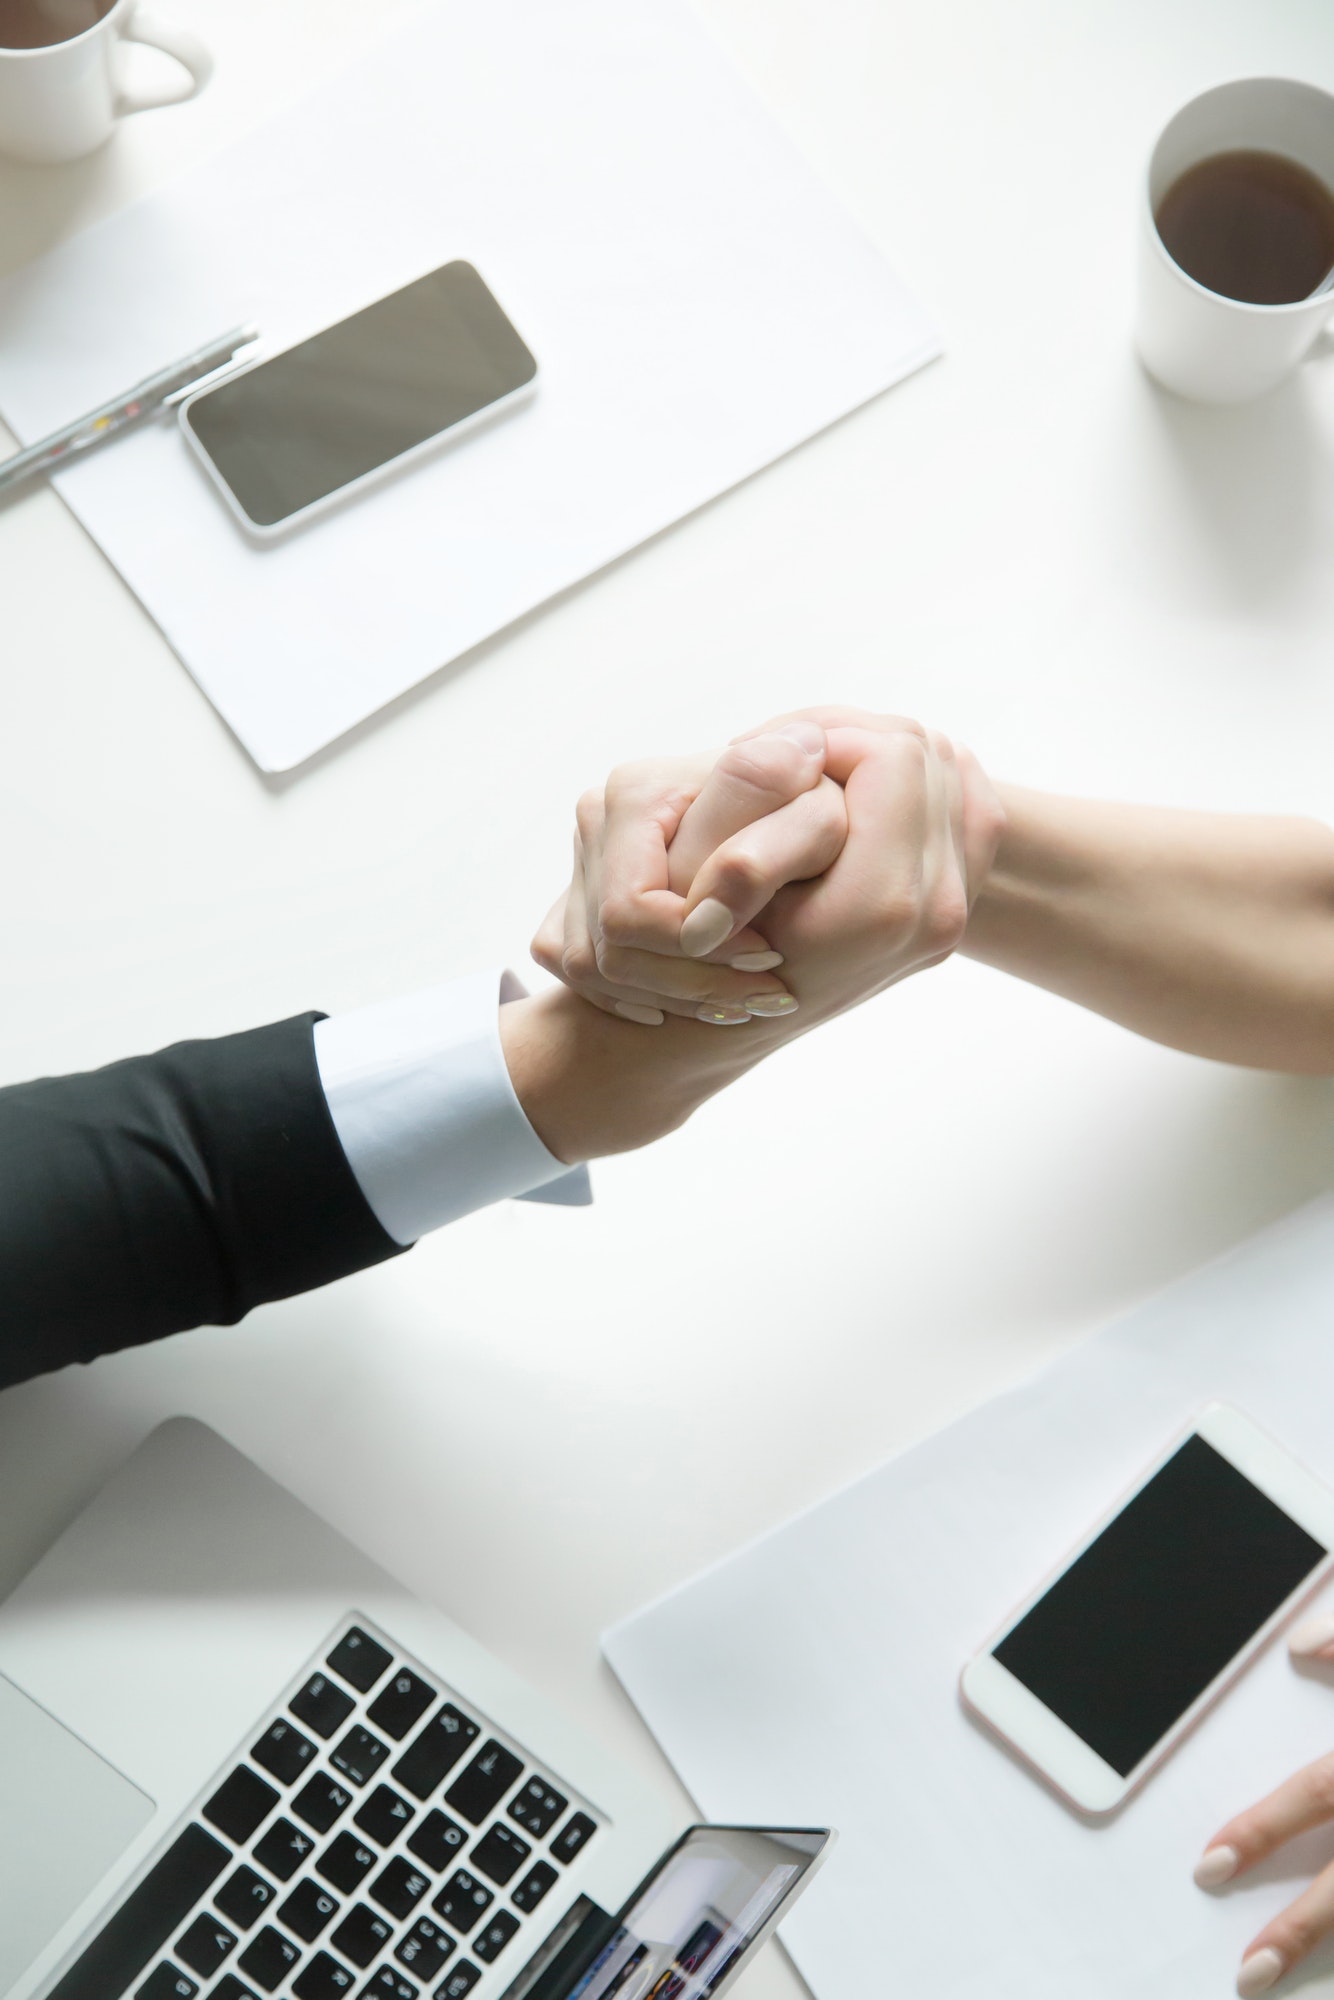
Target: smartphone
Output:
[
  {"x": 1102, "y": 1671},
  {"x": 287, "y": 436},
  {"x": 690, "y": 1928}
]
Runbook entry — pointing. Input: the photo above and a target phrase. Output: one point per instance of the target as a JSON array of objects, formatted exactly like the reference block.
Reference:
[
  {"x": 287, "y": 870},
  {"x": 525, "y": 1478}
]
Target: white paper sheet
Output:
[
  {"x": 812, "y": 1678},
  {"x": 698, "y": 304}
]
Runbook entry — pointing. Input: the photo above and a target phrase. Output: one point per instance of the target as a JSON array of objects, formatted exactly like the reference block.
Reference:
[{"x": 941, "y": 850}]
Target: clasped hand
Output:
[{"x": 818, "y": 860}]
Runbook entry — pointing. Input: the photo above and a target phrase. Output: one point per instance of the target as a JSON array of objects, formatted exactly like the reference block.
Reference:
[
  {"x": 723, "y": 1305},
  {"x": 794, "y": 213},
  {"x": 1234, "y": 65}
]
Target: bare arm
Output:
[{"x": 1211, "y": 932}]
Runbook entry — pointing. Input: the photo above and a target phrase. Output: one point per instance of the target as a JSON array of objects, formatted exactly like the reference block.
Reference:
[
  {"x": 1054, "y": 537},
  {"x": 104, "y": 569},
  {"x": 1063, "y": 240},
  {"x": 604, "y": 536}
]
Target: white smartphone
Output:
[
  {"x": 1103, "y": 1670},
  {"x": 289, "y": 435}
]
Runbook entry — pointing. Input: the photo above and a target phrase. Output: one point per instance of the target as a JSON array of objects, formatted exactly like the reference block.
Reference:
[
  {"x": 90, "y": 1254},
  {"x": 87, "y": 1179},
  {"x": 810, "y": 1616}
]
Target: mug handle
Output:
[{"x": 141, "y": 26}]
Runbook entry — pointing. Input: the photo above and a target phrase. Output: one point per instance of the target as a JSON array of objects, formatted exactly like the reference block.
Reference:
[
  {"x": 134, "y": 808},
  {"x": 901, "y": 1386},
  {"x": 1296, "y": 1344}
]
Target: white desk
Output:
[{"x": 1099, "y": 589}]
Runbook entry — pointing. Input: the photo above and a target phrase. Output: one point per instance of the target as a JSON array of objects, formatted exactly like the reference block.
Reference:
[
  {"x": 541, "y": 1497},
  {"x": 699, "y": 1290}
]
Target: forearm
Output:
[
  {"x": 1212, "y": 933},
  {"x": 591, "y": 1085},
  {"x": 170, "y": 1191}
]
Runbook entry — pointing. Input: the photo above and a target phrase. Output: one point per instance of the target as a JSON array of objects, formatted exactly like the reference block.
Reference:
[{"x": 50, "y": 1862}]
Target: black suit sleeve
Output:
[{"x": 171, "y": 1191}]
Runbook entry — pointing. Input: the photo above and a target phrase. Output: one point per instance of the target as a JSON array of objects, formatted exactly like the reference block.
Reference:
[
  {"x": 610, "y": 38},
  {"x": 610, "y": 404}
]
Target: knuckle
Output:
[
  {"x": 618, "y": 920},
  {"x": 615, "y": 964},
  {"x": 578, "y": 963},
  {"x": 762, "y": 763},
  {"x": 738, "y": 877}
]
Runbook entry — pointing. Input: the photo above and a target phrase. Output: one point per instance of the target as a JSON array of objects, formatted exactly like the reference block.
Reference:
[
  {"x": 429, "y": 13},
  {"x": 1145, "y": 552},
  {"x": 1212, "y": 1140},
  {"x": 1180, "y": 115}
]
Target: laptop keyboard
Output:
[{"x": 378, "y": 1840}]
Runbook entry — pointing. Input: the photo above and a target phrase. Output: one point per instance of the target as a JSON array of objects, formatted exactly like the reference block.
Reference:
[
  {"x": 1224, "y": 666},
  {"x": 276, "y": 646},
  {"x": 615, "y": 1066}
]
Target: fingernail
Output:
[
  {"x": 722, "y": 1017},
  {"x": 706, "y": 928},
  {"x": 756, "y": 961},
  {"x": 807, "y": 735},
  {"x": 1259, "y": 1972},
  {"x": 647, "y": 1017},
  {"x": 1311, "y": 1636},
  {"x": 1216, "y": 1866},
  {"x": 771, "y": 1003}
]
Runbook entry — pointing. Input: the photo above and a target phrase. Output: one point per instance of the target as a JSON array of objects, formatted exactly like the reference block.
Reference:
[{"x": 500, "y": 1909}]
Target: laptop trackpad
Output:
[{"x": 65, "y": 1815}]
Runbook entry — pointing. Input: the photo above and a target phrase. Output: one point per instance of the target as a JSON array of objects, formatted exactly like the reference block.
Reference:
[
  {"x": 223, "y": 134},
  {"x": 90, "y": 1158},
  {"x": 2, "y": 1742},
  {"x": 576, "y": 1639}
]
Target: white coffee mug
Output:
[
  {"x": 61, "y": 100},
  {"x": 1194, "y": 341}
]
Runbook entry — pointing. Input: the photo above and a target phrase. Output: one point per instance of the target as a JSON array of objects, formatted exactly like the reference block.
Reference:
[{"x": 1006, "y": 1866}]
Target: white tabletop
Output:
[{"x": 542, "y": 1418}]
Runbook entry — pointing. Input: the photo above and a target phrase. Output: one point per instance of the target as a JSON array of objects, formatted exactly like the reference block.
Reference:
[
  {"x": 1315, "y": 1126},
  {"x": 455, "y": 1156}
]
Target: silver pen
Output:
[{"x": 145, "y": 399}]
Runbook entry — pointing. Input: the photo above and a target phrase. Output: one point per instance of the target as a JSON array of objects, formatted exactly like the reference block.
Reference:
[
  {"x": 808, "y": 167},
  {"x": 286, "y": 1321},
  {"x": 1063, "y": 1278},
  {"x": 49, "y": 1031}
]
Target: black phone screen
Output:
[
  {"x": 1141, "y": 1623},
  {"x": 296, "y": 429}
]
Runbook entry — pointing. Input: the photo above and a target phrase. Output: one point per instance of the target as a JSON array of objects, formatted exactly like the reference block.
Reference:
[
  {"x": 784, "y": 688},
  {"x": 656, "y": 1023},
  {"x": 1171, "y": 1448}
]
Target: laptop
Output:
[{"x": 239, "y": 1761}]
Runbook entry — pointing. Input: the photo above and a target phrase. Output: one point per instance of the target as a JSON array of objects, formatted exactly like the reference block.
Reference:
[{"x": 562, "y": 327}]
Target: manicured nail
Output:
[
  {"x": 756, "y": 961},
  {"x": 1311, "y": 1636},
  {"x": 771, "y": 1003},
  {"x": 1216, "y": 1866},
  {"x": 647, "y": 1017},
  {"x": 706, "y": 928},
  {"x": 806, "y": 735},
  {"x": 1259, "y": 1972},
  {"x": 722, "y": 1017}
]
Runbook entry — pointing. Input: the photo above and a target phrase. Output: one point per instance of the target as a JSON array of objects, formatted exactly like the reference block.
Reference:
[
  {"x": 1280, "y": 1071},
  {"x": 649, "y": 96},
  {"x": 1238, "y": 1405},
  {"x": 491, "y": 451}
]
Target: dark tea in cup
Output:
[{"x": 1249, "y": 225}]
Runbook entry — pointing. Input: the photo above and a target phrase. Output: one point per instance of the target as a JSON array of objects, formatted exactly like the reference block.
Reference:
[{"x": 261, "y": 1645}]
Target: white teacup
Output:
[
  {"x": 61, "y": 99},
  {"x": 1194, "y": 341}
]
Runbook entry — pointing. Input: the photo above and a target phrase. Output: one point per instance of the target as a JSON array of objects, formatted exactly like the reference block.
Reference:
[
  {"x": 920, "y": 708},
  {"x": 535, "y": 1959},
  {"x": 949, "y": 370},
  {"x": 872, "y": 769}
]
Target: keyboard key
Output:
[
  {"x": 283, "y": 1751},
  {"x": 537, "y": 1807},
  {"x": 136, "y": 1933},
  {"x": 244, "y": 1896},
  {"x": 489, "y": 1944},
  {"x": 533, "y": 1887},
  {"x": 436, "y": 1751},
  {"x": 346, "y": 1862},
  {"x": 320, "y": 1802},
  {"x": 401, "y": 1702},
  {"x": 389, "y": 1985},
  {"x": 572, "y": 1836},
  {"x": 323, "y": 1979},
  {"x": 167, "y": 1983},
  {"x": 268, "y": 1958},
  {"x": 205, "y": 1945},
  {"x": 462, "y": 1901},
  {"x": 384, "y": 1814},
  {"x": 399, "y": 1887},
  {"x": 359, "y": 1755},
  {"x": 437, "y": 1840},
  {"x": 231, "y": 1988},
  {"x": 322, "y": 1705},
  {"x": 499, "y": 1854},
  {"x": 307, "y": 1910},
  {"x": 240, "y": 1803},
  {"x": 283, "y": 1849},
  {"x": 359, "y": 1659},
  {"x": 361, "y": 1934},
  {"x": 425, "y": 1948},
  {"x": 460, "y": 1981},
  {"x": 484, "y": 1783}
]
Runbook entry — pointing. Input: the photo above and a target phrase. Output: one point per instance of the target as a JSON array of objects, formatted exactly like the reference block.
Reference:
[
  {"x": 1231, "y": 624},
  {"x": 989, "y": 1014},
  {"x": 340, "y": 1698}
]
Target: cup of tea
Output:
[
  {"x": 1236, "y": 260},
  {"x": 60, "y": 88}
]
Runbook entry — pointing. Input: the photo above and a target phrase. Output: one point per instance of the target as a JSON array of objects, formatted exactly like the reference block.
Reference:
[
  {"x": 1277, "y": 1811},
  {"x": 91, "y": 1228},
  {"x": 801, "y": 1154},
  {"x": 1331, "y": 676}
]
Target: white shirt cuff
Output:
[{"x": 425, "y": 1111}]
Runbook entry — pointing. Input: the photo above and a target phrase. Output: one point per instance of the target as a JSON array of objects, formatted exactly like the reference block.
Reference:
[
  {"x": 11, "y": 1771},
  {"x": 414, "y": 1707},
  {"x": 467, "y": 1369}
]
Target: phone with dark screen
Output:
[
  {"x": 294, "y": 433},
  {"x": 1105, "y": 1667}
]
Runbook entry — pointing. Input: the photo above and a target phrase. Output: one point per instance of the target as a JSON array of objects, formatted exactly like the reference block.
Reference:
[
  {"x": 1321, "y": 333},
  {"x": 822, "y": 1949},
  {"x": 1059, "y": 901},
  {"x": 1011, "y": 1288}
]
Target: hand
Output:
[
  {"x": 1299, "y": 1804},
  {"x": 606, "y": 936},
  {"x": 744, "y": 842}
]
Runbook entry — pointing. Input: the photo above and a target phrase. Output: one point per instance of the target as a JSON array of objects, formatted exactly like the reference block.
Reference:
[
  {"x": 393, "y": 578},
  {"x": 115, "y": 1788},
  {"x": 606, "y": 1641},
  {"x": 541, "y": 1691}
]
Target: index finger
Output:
[{"x": 1299, "y": 1803}]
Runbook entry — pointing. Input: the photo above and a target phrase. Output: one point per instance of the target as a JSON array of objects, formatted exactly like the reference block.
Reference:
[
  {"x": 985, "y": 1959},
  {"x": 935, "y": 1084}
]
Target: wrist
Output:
[{"x": 590, "y": 1084}]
